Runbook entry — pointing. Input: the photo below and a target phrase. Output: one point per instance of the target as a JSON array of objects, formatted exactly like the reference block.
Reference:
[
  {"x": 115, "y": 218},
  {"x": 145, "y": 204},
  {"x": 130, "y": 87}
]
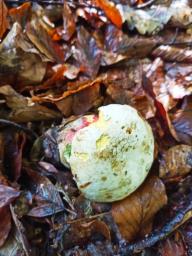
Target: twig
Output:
[
  {"x": 181, "y": 217},
  {"x": 29, "y": 132}
]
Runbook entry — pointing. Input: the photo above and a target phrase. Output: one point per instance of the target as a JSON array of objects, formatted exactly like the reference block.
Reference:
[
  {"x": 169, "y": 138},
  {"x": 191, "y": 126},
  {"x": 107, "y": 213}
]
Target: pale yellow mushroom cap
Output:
[{"x": 111, "y": 156}]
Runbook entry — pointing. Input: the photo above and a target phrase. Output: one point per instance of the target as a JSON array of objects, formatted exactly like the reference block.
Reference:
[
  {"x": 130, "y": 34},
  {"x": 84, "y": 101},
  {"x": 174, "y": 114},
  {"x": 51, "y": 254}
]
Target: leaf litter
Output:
[{"x": 59, "y": 61}]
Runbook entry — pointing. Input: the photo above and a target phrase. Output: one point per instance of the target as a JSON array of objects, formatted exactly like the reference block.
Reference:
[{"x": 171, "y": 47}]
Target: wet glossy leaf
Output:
[
  {"x": 4, "y": 24},
  {"x": 5, "y": 224},
  {"x": 134, "y": 214}
]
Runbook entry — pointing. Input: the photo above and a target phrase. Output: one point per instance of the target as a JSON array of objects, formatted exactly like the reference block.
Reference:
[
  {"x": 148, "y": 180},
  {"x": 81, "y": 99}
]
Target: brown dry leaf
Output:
[
  {"x": 23, "y": 109},
  {"x": 134, "y": 214},
  {"x": 111, "y": 11},
  {"x": 4, "y": 24},
  {"x": 5, "y": 224},
  {"x": 177, "y": 161}
]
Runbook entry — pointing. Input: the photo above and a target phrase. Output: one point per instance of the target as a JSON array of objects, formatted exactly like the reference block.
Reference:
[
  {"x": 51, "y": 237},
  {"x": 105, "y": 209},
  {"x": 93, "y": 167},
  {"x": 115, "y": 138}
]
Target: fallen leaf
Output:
[
  {"x": 182, "y": 121},
  {"x": 21, "y": 233},
  {"x": 173, "y": 246},
  {"x": 77, "y": 87},
  {"x": 16, "y": 65},
  {"x": 47, "y": 198},
  {"x": 111, "y": 11},
  {"x": 148, "y": 21},
  {"x": 68, "y": 22},
  {"x": 80, "y": 232},
  {"x": 171, "y": 53},
  {"x": 87, "y": 52},
  {"x": 4, "y": 24},
  {"x": 177, "y": 161},
  {"x": 41, "y": 39},
  {"x": 14, "y": 143},
  {"x": 5, "y": 224},
  {"x": 21, "y": 13},
  {"x": 134, "y": 214},
  {"x": 123, "y": 46},
  {"x": 12, "y": 246},
  {"x": 23, "y": 109},
  {"x": 7, "y": 195}
]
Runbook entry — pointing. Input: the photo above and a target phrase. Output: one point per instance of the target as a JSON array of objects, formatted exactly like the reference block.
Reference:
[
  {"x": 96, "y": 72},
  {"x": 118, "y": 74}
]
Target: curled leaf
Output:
[
  {"x": 134, "y": 214},
  {"x": 177, "y": 161}
]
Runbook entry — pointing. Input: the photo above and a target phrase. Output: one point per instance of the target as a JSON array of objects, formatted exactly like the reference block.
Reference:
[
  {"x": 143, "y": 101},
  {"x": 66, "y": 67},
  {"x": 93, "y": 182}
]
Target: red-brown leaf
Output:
[
  {"x": 134, "y": 214},
  {"x": 4, "y": 24}
]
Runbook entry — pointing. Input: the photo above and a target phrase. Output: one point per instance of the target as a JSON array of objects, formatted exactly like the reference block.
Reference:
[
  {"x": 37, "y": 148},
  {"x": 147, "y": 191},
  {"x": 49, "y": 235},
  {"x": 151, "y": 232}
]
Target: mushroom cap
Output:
[{"x": 112, "y": 155}]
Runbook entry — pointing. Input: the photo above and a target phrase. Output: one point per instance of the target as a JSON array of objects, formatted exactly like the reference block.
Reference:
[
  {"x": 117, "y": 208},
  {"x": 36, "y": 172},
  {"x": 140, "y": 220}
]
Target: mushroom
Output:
[{"x": 109, "y": 153}]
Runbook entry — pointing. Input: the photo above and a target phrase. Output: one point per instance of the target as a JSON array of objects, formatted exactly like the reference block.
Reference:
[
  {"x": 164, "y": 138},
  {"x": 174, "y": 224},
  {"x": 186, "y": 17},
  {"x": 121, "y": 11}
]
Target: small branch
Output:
[{"x": 181, "y": 217}]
